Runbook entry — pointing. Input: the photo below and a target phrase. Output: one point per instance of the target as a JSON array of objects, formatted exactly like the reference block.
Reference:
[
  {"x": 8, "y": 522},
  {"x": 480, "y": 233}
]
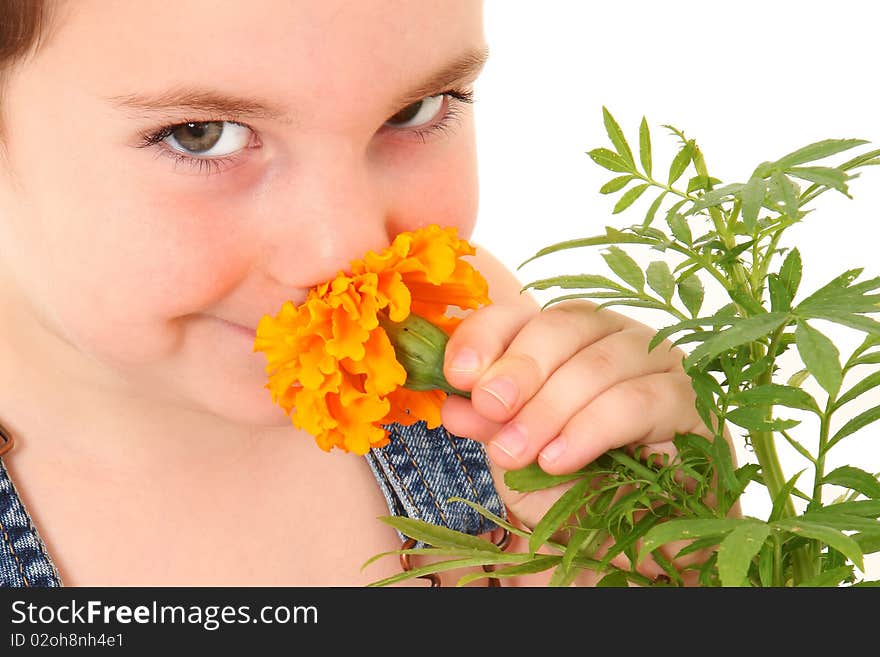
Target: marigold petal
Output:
[
  {"x": 383, "y": 373},
  {"x": 330, "y": 364},
  {"x": 410, "y": 406}
]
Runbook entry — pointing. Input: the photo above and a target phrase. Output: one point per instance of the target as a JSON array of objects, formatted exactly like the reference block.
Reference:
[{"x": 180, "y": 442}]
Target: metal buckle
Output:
[
  {"x": 405, "y": 563},
  {"x": 8, "y": 440},
  {"x": 503, "y": 542}
]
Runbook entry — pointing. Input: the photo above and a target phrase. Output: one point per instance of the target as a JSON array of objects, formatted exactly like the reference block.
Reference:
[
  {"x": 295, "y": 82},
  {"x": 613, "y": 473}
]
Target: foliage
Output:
[{"x": 627, "y": 505}]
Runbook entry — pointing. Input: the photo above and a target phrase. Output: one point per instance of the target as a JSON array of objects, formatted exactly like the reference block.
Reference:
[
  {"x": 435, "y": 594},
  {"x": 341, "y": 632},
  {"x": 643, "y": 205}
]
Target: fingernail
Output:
[
  {"x": 553, "y": 451},
  {"x": 465, "y": 360},
  {"x": 511, "y": 440},
  {"x": 504, "y": 390}
]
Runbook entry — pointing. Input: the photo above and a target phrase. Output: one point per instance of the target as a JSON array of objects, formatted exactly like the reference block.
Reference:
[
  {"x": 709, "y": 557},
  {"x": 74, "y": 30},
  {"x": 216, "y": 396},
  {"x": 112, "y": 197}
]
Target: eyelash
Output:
[{"x": 209, "y": 166}]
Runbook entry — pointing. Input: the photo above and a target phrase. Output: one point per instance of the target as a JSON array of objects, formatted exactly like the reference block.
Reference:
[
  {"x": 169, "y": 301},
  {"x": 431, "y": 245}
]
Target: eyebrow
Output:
[{"x": 209, "y": 101}]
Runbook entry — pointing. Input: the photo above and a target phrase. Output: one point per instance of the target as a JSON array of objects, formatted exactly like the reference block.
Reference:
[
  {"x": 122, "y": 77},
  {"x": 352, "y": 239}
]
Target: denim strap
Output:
[
  {"x": 24, "y": 561},
  {"x": 421, "y": 468}
]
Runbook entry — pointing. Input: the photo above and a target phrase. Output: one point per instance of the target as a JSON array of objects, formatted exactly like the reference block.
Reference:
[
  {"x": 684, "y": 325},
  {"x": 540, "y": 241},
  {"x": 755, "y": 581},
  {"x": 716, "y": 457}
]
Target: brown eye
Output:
[
  {"x": 210, "y": 139},
  {"x": 198, "y": 137},
  {"x": 417, "y": 114}
]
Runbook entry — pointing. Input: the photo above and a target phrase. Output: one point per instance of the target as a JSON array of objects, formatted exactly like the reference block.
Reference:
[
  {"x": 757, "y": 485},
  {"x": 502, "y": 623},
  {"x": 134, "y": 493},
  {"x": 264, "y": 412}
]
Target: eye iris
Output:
[
  {"x": 407, "y": 113},
  {"x": 198, "y": 137}
]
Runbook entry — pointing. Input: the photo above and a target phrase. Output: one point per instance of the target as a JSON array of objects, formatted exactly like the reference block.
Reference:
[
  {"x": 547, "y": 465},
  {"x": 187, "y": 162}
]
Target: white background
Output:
[{"x": 751, "y": 81}]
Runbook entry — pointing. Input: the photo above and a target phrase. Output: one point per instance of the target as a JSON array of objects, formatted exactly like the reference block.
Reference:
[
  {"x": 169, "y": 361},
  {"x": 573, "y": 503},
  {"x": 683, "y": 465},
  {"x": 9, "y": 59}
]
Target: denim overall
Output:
[{"x": 417, "y": 472}]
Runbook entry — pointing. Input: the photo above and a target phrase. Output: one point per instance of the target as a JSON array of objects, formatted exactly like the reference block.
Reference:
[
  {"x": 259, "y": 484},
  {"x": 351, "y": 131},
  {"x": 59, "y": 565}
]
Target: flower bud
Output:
[{"x": 420, "y": 347}]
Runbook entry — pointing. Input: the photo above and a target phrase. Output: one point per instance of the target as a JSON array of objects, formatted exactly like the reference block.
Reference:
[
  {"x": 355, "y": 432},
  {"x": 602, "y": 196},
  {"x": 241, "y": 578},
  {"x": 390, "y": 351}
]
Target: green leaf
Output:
[
  {"x": 645, "y": 146},
  {"x": 798, "y": 378},
  {"x": 820, "y": 356},
  {"x": 827, "y": 295},
  {"x": 864, "y": 508},
  {"x": 774, "y": 394},
  {"x": 680, "y": 229},
  {"x": 660, "y": 279},
  {"x": 752, "y": 196},
  {"x": 696, "y": 336},
  {"x": 615, "y": 184},
  {"x": 790, "y": 272},
  {"x": 780, "y": 297},
  {"x": 697, "y": 322},
  {"x": 616, "y": 579},
  {"x": 532, "y": 477},
  {"x": 438, "y": 536},
  {"x": 743, "y": 332},
  {"x": 577, "y": 282},
  {"x": 680, "y": 162},
  {"x": 612, "y": 236},
  {"x": 713, "y": 197},
  {"x": 610, "y": 160},
  {"x": 827, "y": 535},
  {"x": 625, "y": 267},
  {"x": 579, "y": 538},
  {"x": 869, "y": 382},
  {"x": 685, "y": 529},
  {"x": 859, "y": 421},
  {"x": 629, "y": 197},
  {"x": 870, "y": 543},
  {"x": 868, "y": 359},
  {"x": 539, "y": 564},
  {"x": 450, "y": 564},
  {"x": 827, "y": 176},
  {"x": 615, "y": 134},
  {"x": 724, "y": 467},
  {"x": 589, "y": 295},
  {"x": 498, "y": 520},
  {"x": 649, "y": 215},
  {"x": 816, "y": 151},
  {"x": 841, "y": 295},
  {"x": 698, "y": 183},
  {"x": 857, "y": 322},
  {"x": 690, "y": 291},
  {"x": 558, "y": 514},
  {"x": 831, "y": 577},
  {"x": 736, "y": 551},
  {"x": 781, "y": 498},
  {"x": 754, "y": 419},
  {"x": 731, "y": 255},
  {"x": 756, "y": 369},
  {"x": 845, "y": 522},
  {"x": 854, "y": 478},
  {"x": 746, "y": 301},
  {"x": 634, "y": 303},
  {"x": 788, "y": 192},
  {"x": 707, "y": 389}
]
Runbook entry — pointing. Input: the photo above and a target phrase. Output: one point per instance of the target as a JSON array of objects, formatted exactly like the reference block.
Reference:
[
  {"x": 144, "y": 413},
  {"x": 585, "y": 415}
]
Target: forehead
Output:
[{"x": 297, "y": 50}]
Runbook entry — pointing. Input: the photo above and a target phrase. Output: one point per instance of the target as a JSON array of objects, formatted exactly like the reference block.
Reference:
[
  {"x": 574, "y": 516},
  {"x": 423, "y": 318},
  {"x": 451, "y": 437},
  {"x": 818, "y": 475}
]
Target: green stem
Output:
[
  {"x": 774, "y": 479},
  {"x": 697, "y": 257}
]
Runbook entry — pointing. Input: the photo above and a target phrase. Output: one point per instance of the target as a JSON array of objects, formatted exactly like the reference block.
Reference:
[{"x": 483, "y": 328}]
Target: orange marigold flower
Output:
[{"x": 331, "y": 364}]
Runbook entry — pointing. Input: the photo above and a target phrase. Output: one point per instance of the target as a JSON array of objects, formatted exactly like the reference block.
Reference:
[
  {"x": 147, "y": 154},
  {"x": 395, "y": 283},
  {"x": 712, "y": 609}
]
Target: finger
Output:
[
  {"x": 480, "y": 339},
  {"x": 458, "y": 415},
  {"x": 547, "y": 341},
  {"x": 646, "y": 409},
  {"x": 594, "y": 369}
]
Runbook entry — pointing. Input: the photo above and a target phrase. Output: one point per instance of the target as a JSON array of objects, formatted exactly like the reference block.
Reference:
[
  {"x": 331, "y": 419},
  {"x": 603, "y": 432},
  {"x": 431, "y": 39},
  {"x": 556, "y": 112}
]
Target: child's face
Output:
[{"x": 134, "y": 258}]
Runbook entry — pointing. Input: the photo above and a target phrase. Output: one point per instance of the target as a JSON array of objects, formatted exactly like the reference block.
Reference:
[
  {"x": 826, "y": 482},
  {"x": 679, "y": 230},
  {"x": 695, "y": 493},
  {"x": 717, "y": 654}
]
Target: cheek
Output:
[
  {"x": 114, "y": 278},
  {"x": 441, "y": 190}
]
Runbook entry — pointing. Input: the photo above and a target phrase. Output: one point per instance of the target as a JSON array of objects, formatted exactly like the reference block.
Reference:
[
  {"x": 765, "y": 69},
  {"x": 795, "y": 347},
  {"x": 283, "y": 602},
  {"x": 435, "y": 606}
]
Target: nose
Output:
[{"x": 328, "y": 211}]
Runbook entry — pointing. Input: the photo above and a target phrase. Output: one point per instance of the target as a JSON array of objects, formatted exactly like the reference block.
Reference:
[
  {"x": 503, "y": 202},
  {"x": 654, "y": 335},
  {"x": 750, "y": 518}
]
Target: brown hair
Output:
[{"x": 24, "y": 27}]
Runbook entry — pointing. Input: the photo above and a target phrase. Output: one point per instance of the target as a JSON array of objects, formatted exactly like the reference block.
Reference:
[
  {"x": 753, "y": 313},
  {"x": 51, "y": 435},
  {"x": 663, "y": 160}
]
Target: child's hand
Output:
[{"x": 562, "y": 386}]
